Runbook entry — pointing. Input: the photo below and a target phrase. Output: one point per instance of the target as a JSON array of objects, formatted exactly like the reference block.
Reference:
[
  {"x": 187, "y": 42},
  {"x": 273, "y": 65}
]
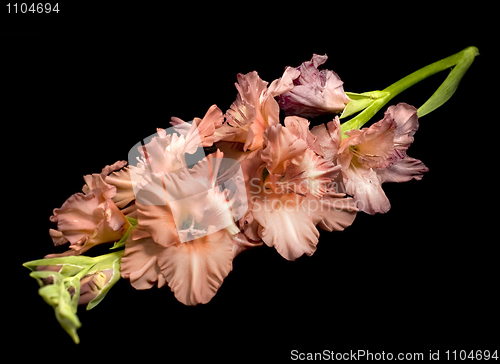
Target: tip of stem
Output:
[{"x": 473, "y": 50}]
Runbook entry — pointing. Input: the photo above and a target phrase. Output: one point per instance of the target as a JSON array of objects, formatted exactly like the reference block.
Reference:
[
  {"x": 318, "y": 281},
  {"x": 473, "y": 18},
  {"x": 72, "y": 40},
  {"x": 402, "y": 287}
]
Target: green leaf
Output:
[
  {"x": 65, "y": 312},
  {"x": 450, "y": 84},
  {"x": 77, "y": 262},
  {"x": 68, "y": 319}
]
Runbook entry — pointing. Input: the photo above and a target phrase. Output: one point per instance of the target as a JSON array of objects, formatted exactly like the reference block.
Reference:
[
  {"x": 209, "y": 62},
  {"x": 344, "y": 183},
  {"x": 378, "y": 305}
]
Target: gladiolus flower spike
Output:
[{"x": 267, "y": 183}]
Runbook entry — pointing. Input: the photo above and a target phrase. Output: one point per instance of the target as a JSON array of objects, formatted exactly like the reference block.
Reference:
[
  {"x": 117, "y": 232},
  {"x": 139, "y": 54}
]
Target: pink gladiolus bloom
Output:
[
  {"x": 186, "y": 235},
  {"x": 295, "y": 192},
  {"x": 374, "y": 155},
  {"x": 315, "y": 92},
  {"x": 89, "y": 219},
  {"x": 255, "y": 109}
]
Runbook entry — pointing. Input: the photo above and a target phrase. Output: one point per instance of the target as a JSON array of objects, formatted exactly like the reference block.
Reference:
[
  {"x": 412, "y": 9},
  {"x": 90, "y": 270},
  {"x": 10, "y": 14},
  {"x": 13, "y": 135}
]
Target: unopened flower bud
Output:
[
  {"x": 92, "y": 284},
  {"x": 315, "y": 92}
]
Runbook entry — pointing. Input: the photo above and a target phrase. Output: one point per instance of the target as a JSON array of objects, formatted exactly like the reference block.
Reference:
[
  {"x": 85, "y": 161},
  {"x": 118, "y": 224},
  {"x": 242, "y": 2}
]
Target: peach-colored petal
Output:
[
  {"x": 328, "y": 138},
  {"x": 115, "y": 182},
  {"x": 246, "y": 108},
  {"x": 249, "y": 226},
  {"x": 372, "y": 146},
  {"x": 399, "y": 167},
  {"x": 284, "y": 83},
  {"x": 79, "y": 216},
  {"x": 286, "y": 224},
  {"x": 250, "y": 87},
  {"x": 57, "y": 237},
  {"x": 334, "y": 211},
  {"x": 406, "y": 120},
  {"x": 140, "y": 263},
  {"x": 308, "y": 173},
  {"x": 280, "y": 145},
  {"x": 156, "y": 156},
  {"x": 195, "y": 270},
  {"x": 403, "y": 170},
  {"x": 123, "y": 184},
  {"x": 365, "y": 186},
  {"x": 269, "y": 108},
  {"x": 165, "y": 153},
  {"x": 116, "y": 221},
  {"x": 254, "y": 110},
  {"x": 300, "y": 128},
  {"x": 212, "y": 120},
  {"x": 96, "y": 182},
  {"x": 158, "y": 222},
  {"x": 154, "y": 213},
  {"x": 254, "y": 136},
  {"x": 89, "y": 220},
  {"x": 201, "y": 131},
  {"x": 93, "y": 181},
  {"x": 234, "y": 150},
  {"x": 230, "y": 133},
  {"x": 114, "y": 167},
  {"x": 252, "y": 171}
]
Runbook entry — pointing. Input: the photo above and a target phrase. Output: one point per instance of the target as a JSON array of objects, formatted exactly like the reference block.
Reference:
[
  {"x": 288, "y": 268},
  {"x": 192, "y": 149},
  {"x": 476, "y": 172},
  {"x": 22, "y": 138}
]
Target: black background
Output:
[{"x": 81, "y": 87}]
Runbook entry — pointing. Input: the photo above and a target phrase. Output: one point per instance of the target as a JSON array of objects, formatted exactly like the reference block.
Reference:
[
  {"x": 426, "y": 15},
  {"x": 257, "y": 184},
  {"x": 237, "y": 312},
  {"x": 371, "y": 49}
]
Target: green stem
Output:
[
  {"x": 462, "y": 60},
  {"x": 449, "y": 86},
  {"x": 423, "y": 73}
]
